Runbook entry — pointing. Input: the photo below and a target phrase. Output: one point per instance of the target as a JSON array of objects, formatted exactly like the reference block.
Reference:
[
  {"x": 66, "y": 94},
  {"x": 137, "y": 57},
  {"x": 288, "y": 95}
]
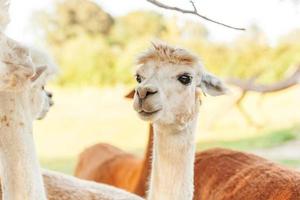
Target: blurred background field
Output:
[
  {"x": 84, "y": 116},
  {"x": 95, "y": 44}
]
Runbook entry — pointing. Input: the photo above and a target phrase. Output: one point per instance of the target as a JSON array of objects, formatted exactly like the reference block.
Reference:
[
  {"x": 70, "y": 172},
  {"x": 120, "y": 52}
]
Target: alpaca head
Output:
[
  {"x": 169, "y": 83},
  {"x": 41, "y": 100},
  {"x": 22, "y": 76},
  {"x": 40, "y": 58}
]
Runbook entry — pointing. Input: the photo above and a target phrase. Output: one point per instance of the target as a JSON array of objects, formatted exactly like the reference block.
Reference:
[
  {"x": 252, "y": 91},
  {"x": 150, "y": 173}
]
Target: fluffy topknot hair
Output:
[{"x": 161, "y": 52}]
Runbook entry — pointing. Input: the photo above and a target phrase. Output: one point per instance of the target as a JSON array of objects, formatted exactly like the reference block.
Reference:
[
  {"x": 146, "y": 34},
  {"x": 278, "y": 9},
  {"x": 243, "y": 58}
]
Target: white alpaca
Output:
[
  {"x": 23, "y": 99},
  {"x": 170, "y": 80},
  {"x": 23, "y": 73}
]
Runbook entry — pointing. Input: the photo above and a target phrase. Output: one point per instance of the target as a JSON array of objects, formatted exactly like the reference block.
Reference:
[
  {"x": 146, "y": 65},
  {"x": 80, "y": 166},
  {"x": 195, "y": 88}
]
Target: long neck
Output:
[
  {"x": 173, "y": 163},
  {"x": 20, "y": 171}
]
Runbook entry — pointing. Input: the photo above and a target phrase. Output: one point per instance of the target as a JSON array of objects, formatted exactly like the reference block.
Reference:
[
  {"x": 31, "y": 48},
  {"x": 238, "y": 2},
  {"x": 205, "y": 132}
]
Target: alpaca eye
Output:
[
  {"x": 185, "y": 79},
  {"x": 138, "y": 78}
]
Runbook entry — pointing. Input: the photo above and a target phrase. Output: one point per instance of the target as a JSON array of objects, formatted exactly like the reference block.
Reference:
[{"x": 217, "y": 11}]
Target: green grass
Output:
[
  {"x": 267, "y": 140},
  {"x": 291, "y": 163},
  {"x": 65, "y": 165}
]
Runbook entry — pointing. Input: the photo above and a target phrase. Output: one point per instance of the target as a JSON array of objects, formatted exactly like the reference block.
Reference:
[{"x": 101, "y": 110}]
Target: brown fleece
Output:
[
  {"x": 222, "y": 174},
  {"x": 105, "y": 163}
]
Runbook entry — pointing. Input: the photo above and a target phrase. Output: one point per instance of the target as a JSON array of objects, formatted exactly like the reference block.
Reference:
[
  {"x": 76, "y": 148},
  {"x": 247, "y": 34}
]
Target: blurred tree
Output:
[
  {"x": 87, "y": 60},
  {"x": 191, "y": 29},
  {"x": 135, "y": 25},
  {"x": 92, "y": 48},
  {"x": 257, "y": 59},
  {"x": 131, "y": 34},
  {"x": 72, "y": 18}
]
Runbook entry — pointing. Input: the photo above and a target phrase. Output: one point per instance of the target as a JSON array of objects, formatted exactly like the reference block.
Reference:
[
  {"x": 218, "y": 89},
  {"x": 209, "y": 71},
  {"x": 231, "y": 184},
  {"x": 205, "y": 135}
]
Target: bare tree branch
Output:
[
  {"x": 244, "y": 112},
  {"x": 193, "y": 12},
  {"x": 250, "y": 85},
  {"x": 195, "y": 8}
]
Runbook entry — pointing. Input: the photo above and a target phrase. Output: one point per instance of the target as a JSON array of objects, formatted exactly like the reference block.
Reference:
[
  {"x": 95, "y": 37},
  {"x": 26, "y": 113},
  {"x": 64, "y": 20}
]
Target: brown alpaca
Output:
[
  {"x": 222, "y": 174},
  {"x": 105, "y": 163}
]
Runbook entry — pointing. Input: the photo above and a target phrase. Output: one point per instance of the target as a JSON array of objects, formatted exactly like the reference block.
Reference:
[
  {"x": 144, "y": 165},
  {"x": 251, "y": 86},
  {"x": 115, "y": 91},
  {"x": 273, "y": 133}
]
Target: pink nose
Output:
[{"x": 146, "y": 91}]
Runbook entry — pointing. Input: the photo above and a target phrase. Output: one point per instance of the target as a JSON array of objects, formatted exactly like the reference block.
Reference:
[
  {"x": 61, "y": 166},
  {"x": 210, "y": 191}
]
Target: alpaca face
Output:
[
  {"x": 169, "y": 83},
  {"x": 31, "y": 90},
  {"x": 41, "y": 102},
  {"x": 48, "y": 104},
  {"x": 166, "y": 93}
]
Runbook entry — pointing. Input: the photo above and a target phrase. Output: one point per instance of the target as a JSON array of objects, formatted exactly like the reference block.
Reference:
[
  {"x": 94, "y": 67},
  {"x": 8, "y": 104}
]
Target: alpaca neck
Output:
[
  {"x": 20, "y": 171},
  {"x": 173, "y": 162}
]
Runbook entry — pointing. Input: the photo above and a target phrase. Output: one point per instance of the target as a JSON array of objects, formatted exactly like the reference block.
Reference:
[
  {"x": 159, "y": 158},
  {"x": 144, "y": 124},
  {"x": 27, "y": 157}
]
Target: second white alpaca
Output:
[
  {"x": 23, "y": 99},
  {"x": 169, "y": 81}
]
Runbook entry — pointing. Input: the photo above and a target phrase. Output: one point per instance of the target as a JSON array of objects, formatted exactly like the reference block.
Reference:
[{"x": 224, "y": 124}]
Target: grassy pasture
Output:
[{"x": 85, "y": 116}]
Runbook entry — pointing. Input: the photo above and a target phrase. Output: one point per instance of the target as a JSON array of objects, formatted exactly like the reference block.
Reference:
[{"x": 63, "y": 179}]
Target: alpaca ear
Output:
[
  {"x": 16, "y": 62},
  {"x": 38, "y": 73},
  {"x": 14, "y": 76},
  {"x": 212, "y": 85},
  {"x": 130, "y": 95}
]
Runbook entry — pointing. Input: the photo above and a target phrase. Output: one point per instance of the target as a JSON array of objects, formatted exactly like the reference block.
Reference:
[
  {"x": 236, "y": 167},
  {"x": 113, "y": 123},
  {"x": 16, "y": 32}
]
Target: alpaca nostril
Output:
[
  {"x": 50, "y": 95},
  {"x": 141, "y": 93},
  {"x": 145, "y": 92}
]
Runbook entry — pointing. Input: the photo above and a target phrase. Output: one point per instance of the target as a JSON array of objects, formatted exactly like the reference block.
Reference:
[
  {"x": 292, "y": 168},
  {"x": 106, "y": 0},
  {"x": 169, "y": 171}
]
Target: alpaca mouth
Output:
[{"x": 147, "y": 113}]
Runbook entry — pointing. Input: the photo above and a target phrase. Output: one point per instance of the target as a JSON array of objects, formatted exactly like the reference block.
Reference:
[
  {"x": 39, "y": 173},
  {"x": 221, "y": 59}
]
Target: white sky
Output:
[{"x": 275, "y": 17}]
